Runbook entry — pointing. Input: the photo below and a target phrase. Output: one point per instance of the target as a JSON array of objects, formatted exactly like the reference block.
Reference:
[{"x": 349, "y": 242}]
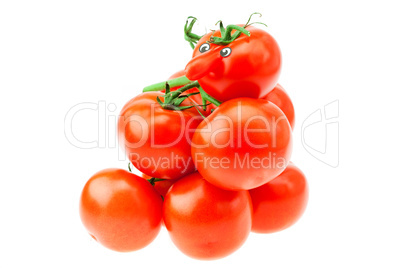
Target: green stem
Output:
[
  {"x": 175, "y": 82},
  {"x": 229, "y": 29},
  {"x": 226, "y": 33},
  {"x": 192, "y": 38},
  {"x": 207, "y": 97},
  {"x": 204, "y": 95},
  {"x": 153, "y": 180},
  {"x": 129, "y": 166},
  {"x": 187, "y": 87},
  {"x": 171, "y": 97}
]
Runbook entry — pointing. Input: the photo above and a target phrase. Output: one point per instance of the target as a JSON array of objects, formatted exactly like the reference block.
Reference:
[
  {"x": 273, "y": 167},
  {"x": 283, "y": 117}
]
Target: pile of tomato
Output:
[{"x": 213, "y": 143}]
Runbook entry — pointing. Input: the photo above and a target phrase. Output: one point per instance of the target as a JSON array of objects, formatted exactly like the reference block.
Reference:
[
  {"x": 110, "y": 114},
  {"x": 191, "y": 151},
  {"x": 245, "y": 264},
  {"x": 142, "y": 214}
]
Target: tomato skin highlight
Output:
[
  {"x": 251, "y": 70},
  {"x": 281, "y": 202},
  {"x": 206, "y": 222},
  {"x": 280, "y": 98},
  {"x": 250, "y": 138},
  {"x": 157, "y": 141},
  {"x": 120, "y": 210}
]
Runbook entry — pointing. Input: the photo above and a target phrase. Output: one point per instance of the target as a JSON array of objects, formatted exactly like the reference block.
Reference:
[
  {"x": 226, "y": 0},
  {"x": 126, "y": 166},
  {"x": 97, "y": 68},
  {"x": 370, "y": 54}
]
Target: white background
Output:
[{"x": 57, "y": 54}]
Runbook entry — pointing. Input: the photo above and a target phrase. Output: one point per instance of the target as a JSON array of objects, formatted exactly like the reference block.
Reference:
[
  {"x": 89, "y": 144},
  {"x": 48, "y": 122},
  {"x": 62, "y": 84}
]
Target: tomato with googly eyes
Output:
[{"x": 249, "y": 66}]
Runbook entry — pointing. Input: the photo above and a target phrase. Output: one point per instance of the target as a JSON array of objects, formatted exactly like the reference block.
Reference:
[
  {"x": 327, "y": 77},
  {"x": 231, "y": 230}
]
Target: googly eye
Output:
[
  {"x": 226, "y": 51},
  {"x": 204, "y": 47}
]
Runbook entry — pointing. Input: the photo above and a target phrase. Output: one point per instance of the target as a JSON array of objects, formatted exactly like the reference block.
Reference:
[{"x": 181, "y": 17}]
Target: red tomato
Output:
[
  {"x": 161, "y": 186},
  {"x": 247, "y": 67},
  {"x": 206, "y": 222},
  {"x": 120, "y": 210},
  {"x": 280, "y": 98},
  {"x": 279, "y": 203},
  {"x": 243, "y": 144},
  {"x": 157, "y": 141}
]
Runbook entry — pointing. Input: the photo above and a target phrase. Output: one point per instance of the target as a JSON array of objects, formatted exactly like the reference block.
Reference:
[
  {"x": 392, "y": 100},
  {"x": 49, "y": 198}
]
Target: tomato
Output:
[
  {"x": 279, "y": 203},
  {"x": 196, "y": 99},
  {"x": 243, "y": 144},
  {"x": 247, "y": 67},
  {"x": 280, "y": 98},
  {"x": 157, "y": 141},
  {"x": 204, "y": 221},
  {"x": 161, "y": 186},
  {"x": 120, "y": 210}
]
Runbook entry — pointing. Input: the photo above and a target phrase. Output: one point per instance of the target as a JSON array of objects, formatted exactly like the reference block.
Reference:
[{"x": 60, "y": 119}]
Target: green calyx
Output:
[
  {"x": 189, "y": 36},
  {"x": 173, "y": 99},
  {"x": 226, "y": 33},
  {"x": 153, "y": 180}
]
